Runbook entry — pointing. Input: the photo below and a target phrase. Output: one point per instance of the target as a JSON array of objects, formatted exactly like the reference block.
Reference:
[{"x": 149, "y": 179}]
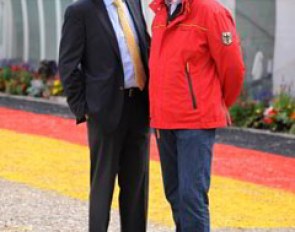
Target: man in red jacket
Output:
[{"x": 196, "y": 74}]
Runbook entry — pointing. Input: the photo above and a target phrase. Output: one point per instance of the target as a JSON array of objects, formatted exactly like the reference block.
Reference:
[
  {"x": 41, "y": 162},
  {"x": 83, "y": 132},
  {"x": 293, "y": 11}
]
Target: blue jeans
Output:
[{"x": 186, "y": 167}]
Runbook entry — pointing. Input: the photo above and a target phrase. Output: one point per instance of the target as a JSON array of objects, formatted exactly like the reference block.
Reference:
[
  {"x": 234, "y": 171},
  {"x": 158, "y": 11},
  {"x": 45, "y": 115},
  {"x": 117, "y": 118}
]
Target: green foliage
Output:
[
  {"x": 292, "y": 130},
  {"x": 6, "y": 74},
  {"x": 284, "y": 102},
  {"x": 246, "y": 113},
  {"x": 14, "y": 80}
]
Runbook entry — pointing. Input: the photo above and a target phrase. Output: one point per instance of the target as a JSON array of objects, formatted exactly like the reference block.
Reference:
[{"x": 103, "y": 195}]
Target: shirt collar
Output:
[
  {"x": 108, "y": 2},
  {"x": 173, "y": 2}
]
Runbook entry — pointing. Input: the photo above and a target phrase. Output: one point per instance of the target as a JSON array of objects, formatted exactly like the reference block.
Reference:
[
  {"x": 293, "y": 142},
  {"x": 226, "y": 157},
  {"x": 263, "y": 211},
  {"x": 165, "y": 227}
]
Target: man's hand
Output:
[
  {"x": 228, "y": 118},
  {"x": 227, "y": 114}
]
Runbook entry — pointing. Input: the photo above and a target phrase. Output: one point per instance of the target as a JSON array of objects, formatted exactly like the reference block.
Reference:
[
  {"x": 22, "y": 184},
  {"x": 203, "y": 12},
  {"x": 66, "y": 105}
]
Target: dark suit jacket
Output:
[{"x": 90, "y": 65}]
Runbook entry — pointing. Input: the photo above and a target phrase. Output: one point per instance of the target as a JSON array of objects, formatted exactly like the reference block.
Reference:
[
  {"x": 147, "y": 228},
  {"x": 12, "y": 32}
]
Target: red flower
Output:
[
  {"x": 14, "y": 68},
  {"x": 268, "y": 120},
  {"x": 273, "y": 113},
  {"x": 270, "y": 112}
]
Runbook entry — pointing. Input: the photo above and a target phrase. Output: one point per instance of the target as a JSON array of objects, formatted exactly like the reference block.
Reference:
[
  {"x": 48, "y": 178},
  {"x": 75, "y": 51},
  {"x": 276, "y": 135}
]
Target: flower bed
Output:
[
  {"x": 277, "y": 116},
  {"x": 22, "y": 80}
]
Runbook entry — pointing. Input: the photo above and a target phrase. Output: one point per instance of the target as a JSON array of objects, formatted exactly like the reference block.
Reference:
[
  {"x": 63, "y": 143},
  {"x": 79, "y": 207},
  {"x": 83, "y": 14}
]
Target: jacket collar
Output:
[{"x": 157, "y": 5}]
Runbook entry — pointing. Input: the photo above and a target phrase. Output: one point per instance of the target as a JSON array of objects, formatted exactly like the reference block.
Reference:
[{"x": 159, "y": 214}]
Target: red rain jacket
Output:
[{"x": 196, "y": 66}]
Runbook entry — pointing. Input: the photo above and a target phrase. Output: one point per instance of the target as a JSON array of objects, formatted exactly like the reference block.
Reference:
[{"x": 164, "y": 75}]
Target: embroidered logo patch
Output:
[{"x": 227, "y": 38}]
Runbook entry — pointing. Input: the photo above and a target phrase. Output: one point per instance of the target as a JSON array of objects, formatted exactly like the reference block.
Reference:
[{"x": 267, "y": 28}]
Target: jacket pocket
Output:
[{"x": 191, "y": 86}]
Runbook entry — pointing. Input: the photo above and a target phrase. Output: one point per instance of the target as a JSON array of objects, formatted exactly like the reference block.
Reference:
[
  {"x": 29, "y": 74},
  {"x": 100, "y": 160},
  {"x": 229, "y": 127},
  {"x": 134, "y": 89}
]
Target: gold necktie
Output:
[{"x": 133, "y": 47}]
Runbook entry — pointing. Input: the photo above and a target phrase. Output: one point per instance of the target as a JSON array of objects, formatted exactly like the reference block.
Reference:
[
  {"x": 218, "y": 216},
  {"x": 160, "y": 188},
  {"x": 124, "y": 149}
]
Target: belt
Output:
[{"x": 132, "y": 92}]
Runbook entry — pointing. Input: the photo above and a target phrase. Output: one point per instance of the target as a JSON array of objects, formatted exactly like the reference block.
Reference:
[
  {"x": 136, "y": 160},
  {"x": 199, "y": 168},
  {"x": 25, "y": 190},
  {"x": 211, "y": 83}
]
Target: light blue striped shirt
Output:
[{"x": 129, "y": 75}]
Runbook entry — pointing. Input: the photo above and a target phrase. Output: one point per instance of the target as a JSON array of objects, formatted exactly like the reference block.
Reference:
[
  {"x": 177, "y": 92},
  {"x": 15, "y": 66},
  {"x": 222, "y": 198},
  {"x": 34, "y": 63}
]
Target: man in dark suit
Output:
[{"x": 103, "y": 67}]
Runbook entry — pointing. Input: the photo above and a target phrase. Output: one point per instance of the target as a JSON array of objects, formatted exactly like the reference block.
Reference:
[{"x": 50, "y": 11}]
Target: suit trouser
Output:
[
  {"x": 123, "y": 154},
  {"x": 186, "y": 166}
]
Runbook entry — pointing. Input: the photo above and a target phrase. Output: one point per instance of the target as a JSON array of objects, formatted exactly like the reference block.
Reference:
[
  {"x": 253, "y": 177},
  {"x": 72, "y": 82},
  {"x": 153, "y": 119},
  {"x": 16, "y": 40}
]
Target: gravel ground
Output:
[{"x": 27, "y": 209}]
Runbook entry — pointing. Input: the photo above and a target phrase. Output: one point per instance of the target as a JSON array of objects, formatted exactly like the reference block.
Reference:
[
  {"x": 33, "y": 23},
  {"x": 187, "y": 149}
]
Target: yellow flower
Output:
[
  {"x": 56, "y": 88},
  {"x": 56, "y": 83}
]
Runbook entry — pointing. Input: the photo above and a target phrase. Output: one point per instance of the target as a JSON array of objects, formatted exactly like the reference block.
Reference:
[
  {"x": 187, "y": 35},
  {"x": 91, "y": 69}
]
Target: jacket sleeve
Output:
[
  {"x": 70, "y": 56},
  {"x": 224, "y": 46}
]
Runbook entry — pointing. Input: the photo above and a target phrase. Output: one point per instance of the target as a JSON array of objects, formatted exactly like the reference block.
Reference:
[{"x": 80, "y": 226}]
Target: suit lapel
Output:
[{"x": 103, "y": 16}]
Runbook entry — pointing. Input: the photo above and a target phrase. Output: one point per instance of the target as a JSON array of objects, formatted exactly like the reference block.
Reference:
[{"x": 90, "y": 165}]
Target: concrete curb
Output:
[{"x": 52, "y": 100}]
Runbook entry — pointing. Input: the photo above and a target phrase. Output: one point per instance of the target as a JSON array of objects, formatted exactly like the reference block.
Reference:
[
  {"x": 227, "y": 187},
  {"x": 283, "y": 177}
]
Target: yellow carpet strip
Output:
[{"x": 63, "y": 167}]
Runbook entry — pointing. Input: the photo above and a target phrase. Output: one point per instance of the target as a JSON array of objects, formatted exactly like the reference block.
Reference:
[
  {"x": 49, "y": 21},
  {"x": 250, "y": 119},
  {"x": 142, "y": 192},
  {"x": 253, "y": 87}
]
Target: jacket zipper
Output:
[{"x": 191, "y": 87}]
